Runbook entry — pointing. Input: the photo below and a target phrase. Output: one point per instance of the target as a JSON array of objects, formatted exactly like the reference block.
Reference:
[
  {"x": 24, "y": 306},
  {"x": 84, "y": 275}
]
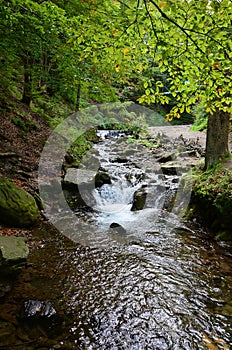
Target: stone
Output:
[
  {"x": 17, "y": 207},
  {"x": 101, "y": 178},
  {"x": 177, "y": 168},
  {"x": 166, "y": 157},
  {"x": 117, "y": 228},
  {"x": 13, "y": 255},
  {"x": 139, "y": 199},
  {"x": 13, "y": 248},
  {"x": 37, "y": 308},
  {"x": 76, "y": 176}
]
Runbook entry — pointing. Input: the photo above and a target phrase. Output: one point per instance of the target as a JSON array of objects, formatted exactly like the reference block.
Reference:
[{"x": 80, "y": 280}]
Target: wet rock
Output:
[
  {"x": 169, "y": 168},
  {"x": 113, "y": 133},
  {"x": 78, "y": 185},
  {"x": 139, "y": 199},
  {"x": 17, "y": 207},
  {"x": 117, "y": 228},
  {"x": 37, "y": 308},
  {"x": 119, "y": 160},
  {"x": 102, "y": 178}
]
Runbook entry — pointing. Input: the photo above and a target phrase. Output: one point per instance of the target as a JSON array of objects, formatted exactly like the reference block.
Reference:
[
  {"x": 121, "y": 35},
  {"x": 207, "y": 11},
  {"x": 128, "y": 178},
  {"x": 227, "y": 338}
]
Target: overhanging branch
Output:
[{"x": 166, "y": 17}]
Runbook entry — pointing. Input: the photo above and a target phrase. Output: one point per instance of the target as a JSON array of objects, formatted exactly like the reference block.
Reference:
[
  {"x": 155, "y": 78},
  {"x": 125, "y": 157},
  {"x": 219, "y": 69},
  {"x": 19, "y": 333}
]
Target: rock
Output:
[
  {"x": 139, "y": 199},
  {"x": 79, "y": 184},
  {"x": 119, "y": 160},
  {"x": 191, "y": 153},
  {"x": 101, "y": 178},
  {"x": 117, "y": 228},
  {"x": 40, "y": 316},
  {"x": 36, "y": 308},
  {"x": 169, "y": 168},
  {"x": 75, "y": 176},
  {"x": 14, "y": 252},
  {"x": 17, "y": 207},
  {"x": 13, "y": 248},
  {"x": 166, "y": 157},
  {"x": 174, "y": 168}
]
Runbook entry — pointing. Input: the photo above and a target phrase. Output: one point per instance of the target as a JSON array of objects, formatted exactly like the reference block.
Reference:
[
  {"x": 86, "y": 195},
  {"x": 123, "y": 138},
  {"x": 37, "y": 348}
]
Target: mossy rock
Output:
[
  {"x": 13, "y": 249},
  {"x": 17, "y": 207}
]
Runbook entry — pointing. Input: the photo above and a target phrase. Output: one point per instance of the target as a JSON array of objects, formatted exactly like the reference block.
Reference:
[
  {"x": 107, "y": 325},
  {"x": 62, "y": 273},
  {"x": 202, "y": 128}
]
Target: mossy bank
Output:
[{"x": 211, "y": 200}]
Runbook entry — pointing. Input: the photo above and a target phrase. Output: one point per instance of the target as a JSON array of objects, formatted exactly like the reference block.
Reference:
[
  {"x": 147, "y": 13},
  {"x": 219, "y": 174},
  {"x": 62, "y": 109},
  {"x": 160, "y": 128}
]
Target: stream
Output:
[{"x": 117, "y": 278}]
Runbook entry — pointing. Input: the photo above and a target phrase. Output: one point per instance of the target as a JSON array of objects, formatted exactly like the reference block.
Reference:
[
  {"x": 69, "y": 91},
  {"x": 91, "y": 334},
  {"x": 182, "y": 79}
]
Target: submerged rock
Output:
[
  {"x": 17, "y": 207},
  {"x": 37, "y": 308}
]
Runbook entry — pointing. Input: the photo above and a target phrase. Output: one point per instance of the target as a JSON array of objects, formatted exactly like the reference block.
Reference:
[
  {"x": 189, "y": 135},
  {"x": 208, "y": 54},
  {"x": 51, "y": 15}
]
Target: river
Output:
[{"x": 150, "y": 281}]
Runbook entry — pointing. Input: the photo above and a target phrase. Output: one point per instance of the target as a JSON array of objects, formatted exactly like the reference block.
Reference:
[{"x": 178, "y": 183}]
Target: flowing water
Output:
[{"x": 151, "y": 281}]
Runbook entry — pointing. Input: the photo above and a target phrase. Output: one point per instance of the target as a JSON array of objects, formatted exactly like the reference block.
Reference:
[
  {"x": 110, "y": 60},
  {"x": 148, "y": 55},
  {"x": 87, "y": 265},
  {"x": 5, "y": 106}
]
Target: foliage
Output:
[
  {"x": 200, "y": 115},
  {"x": 191, "y": 42},
  {"x": 52, "y": 110}
]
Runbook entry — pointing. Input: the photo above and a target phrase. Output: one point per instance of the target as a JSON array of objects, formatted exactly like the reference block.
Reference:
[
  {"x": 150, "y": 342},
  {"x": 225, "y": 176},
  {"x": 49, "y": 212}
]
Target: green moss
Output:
[
  {"x": 81, "y": 147},
  {"x": 212, "y": 199},
  {"x": 17, "y": 207}
]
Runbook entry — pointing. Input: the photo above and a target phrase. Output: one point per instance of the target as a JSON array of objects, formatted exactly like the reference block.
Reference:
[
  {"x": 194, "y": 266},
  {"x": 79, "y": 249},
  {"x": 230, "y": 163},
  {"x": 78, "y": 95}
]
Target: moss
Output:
[
  {"x": 17, "y": 207},
  {"x": 212, "y": 199},
  {"x": 80, "y": 148}
]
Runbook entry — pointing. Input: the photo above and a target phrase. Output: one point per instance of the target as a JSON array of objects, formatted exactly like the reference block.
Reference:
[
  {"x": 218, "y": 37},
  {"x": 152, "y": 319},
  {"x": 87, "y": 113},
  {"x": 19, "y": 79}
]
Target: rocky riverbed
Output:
[{"x": 153, "y": 281}]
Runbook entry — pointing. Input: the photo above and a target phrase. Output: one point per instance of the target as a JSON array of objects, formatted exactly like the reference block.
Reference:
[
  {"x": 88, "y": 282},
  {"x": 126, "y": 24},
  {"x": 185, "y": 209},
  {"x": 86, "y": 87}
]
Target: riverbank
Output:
[{"x": 211, "y": 198}]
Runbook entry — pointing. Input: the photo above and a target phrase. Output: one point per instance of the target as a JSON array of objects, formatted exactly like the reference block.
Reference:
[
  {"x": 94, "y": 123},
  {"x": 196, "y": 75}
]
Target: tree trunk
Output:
[
  {"x": 217, "y": 138},
  {"x": 27, "y": 87}
]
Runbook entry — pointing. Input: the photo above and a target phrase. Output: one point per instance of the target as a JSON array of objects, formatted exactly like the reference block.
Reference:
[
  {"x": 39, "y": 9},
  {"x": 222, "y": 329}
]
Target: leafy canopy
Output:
[{"x": 188, "y": 40}]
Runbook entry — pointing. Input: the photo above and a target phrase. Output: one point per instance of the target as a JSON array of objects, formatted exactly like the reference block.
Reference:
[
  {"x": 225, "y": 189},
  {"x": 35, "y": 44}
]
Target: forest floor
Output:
[{"x": 23, "y": 135}]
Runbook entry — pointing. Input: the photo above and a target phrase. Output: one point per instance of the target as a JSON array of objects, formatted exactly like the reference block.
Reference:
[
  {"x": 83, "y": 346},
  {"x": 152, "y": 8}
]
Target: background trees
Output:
[
  {"x": 153, "y": 51},
  {"x": 190, "y": 42}
]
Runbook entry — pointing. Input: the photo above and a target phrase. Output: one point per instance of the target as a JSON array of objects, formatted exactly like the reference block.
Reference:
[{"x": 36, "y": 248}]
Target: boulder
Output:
[
  {"x": 77, "y": 177},
  {"x": 139, "y": 199},
  {"x": 17, "y": 207},
  {"x": 177, "y": 167},
  {"x": 117, "y": 228},
  {"x": 13, "y": 248},
  {"x": 101, "y": 178},
  {"x": 13, "y": 254}
]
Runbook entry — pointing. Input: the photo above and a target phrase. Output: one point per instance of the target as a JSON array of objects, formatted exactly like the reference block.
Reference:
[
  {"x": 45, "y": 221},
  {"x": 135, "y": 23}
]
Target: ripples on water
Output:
[
  {"x": 162, "y": 286},
  {"x": 173, "y": 295}
]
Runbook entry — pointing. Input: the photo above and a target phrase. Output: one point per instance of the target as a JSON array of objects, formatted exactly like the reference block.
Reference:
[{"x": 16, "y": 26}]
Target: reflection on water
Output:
[{"x": 171, "y": 290}]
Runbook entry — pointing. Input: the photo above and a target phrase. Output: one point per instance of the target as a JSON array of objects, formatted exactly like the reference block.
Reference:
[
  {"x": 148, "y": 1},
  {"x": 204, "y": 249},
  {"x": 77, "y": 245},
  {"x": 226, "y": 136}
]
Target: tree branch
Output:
[{"x": 163, "y": 14}]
